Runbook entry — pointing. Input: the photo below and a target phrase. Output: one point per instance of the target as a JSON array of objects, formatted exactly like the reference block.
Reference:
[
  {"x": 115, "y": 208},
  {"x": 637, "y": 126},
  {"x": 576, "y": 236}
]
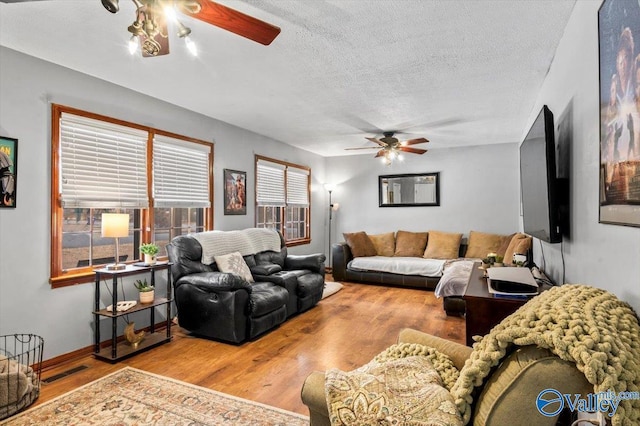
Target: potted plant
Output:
[
  {"x": 499, "y": 261},
  {"x": 149, "y": 250},
  {"x": 146, "y": 290}
]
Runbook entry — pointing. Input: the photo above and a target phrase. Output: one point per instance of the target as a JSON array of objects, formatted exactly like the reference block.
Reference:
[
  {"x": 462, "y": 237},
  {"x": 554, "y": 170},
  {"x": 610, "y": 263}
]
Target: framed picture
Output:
[
  {"x": 619, "y": 47},
  {"x": 8, "y": 171},
  {"x": 235, "y": 192},
  {"x": 409, "y": 190}
]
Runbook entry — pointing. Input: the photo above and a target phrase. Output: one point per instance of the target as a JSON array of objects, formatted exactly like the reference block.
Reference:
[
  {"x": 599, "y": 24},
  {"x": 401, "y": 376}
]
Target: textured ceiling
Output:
[{"x": 459, "y": 73}]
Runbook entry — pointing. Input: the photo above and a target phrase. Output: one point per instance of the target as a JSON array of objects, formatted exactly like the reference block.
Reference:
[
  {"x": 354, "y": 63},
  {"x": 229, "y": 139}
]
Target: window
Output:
[
  {"x": 103, "y": 165},
  {"x": 282, "y": 199}
]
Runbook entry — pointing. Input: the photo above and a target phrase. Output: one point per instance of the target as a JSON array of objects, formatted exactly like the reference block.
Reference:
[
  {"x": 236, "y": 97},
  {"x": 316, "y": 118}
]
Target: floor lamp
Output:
[
  {"x": 115, "y": 225},
  {"x": 332, "y": 207}
]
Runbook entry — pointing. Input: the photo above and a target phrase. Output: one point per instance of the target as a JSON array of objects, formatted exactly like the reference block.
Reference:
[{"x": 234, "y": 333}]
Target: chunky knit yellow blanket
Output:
[{"x": 578, "y": 323}]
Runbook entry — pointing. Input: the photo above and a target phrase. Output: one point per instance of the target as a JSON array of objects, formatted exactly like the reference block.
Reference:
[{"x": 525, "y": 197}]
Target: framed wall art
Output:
[
  {"x": 8, "y": 171},
  {"x": 235, "y": 192},
  {"x": 619, "y": 49}
]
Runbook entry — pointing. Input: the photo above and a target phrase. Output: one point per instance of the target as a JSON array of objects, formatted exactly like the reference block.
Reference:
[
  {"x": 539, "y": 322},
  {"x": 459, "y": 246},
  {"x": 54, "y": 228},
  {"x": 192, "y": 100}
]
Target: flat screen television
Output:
[{"x": 544, "y": 195}]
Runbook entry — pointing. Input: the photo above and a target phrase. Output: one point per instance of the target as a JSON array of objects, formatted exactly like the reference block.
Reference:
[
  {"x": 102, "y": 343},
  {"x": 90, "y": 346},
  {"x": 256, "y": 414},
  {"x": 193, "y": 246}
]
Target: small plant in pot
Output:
[
  {"x": 149, "y": 251},
  {"x": 499, "y": 261},
  {"x": 146, "y": 290}
]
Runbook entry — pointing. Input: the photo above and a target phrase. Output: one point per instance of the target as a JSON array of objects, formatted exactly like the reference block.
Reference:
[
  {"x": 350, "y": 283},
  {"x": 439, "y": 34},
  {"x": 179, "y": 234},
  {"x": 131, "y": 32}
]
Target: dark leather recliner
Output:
[{"x": 226, "y": 307}]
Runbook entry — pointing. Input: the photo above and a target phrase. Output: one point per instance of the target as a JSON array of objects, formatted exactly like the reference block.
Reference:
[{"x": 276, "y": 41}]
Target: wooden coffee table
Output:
[{"x": 483, "y": 309}]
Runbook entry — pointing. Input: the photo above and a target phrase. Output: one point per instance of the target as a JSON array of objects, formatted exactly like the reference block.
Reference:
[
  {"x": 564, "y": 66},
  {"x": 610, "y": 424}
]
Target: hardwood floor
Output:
[{"x": 344, "y": 331}]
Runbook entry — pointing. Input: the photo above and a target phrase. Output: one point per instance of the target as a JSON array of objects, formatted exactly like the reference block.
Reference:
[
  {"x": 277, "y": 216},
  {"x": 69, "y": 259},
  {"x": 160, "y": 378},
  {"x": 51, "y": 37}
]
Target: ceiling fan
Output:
[
  {"x": 149, "y": 29},
  {"x": 391, "y": 147},
  {"x": 150, "y": 25}
]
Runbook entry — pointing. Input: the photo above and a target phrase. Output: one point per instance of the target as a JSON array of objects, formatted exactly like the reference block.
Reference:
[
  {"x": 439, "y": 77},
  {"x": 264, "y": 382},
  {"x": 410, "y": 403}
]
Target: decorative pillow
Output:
[
  {"x": 410, "y": 244},
  {"x": 360, "y": 244},
  {"x": 443, "y": 245},
  {"x": 396, "y": 392},
  {"x": 506, "y": 240},
  {"x": 233, "y": 263},
  {"x": 480, "y": 244},
  {"x": 520, "y": 244},
  {"x": 385, "y": 244}
]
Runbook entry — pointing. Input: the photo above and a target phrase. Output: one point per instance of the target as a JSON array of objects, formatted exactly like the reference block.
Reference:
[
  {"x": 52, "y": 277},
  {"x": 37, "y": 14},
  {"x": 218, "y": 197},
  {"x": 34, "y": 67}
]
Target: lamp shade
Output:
[
  {"x": 115, "y": 225},
  {"x": 329, "y": 186}
]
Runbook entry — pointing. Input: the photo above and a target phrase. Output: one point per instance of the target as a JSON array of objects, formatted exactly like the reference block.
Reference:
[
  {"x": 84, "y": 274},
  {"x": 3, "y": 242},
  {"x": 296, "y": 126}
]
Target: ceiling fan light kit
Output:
[
  {"x": 149, "y": 29},
  {"x": 392, "y": 148}
]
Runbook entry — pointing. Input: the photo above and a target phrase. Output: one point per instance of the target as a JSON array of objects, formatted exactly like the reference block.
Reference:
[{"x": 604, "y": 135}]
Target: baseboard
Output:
[{"x": 86, "y": 351}]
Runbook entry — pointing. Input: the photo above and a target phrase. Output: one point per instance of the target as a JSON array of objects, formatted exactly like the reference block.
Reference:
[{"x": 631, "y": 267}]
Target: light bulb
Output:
[
  {"x": 133, "y": 44},
  {"x": 191, "y": 46},
  {"x": 170, "y": 13}
]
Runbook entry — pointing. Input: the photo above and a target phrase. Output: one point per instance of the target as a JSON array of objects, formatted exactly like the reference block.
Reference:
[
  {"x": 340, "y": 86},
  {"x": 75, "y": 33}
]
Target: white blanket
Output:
[
  {"x": 399, "y": 265},
  {"x": 246, "y": 241},
  {"x": 454, "y": 278}
]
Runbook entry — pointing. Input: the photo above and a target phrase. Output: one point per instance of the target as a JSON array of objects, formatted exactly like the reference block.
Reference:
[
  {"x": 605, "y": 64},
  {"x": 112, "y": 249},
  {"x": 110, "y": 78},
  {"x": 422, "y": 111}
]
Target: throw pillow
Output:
[
  {"x": 506, "y": 240},
  {"x": 234, "y": 263},
  {"x": 520, "y": 244},
  {"x": 410, "y": 244},
  {"x": 360, "y": 244},
  {"x": 443, "y": 245},
  {"x": 481, "y": 244},
  {"x": 385, "y": 244}
]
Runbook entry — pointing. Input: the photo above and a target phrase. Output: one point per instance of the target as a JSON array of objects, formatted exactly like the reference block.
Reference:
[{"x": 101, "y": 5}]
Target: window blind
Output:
[
  {"x": 297, "y": 187},
  {"x": 270, "y": 190},
  {"x": 180, "y": 173},
  {"x": 103, "y": 165}
]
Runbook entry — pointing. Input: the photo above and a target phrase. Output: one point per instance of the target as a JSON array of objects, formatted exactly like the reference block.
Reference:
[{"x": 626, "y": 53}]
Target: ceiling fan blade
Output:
[
  {"x": 412, "y": 150},
  {"x": 364, "y": 147},
  {"x": 415, "y": 141},
  {"x": 234, "y": 21},
  {"x": 380, "y": 153},
  {"x": 374, "y": 140}
]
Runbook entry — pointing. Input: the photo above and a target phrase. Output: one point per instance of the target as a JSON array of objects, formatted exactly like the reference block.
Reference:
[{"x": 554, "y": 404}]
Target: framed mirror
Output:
[{"x": 409, "y": 190}]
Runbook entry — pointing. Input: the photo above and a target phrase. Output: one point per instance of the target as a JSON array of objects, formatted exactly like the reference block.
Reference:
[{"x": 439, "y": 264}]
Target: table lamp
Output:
[{"x": 115, "y": 225}]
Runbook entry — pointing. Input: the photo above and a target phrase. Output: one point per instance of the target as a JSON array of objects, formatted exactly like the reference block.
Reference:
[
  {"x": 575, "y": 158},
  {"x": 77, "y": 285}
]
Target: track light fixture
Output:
[{"x": 149, "y": 29}]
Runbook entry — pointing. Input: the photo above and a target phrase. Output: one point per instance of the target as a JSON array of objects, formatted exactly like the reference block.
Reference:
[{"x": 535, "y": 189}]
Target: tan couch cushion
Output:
[
  {"x": 385, "y": 244},
  {"x": 410, "y": 244},
  {"x": 360, "y": 244},
  {"x": 520, "y": 244},
  {"x": 443, "y": 245},
  {"x": 505, "y": 244},
  {"x": 481, "y": 244}
]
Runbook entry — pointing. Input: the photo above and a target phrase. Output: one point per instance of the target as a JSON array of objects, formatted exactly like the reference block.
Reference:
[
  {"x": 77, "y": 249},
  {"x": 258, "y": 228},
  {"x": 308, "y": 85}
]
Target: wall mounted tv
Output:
[{"x": 544, "y": 195}]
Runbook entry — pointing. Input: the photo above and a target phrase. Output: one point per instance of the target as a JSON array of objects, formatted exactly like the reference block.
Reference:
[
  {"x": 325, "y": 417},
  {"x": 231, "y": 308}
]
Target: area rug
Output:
[
  {"x": 134, "y": 397},
  {"x": 330, "y": 288}
]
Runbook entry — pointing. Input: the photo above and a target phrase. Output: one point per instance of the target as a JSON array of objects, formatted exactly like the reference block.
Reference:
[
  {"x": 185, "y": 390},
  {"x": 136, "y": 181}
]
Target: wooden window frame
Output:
[
  {"x": 62, "y": 278},
  {"x": 299, "y": 241}
]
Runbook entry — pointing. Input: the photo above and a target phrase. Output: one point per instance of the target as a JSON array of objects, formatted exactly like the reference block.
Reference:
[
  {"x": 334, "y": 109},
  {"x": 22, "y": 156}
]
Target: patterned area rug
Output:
[
  {"x": 330, "y": 288},
  {"x": 135, "y": 397}
]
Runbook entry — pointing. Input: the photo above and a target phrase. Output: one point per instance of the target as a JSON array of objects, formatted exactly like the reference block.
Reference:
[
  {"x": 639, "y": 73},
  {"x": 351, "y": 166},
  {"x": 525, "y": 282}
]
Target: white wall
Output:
[
  {"x": 27, "y": 88},
  {"x": 605, "y": 256},
  {"x": 478, "y": 191}
]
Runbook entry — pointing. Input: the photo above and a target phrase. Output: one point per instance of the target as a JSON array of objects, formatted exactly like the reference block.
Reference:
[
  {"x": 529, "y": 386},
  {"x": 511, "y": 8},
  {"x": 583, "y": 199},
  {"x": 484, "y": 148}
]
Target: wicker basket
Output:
[{"x": 20, "y": 367}]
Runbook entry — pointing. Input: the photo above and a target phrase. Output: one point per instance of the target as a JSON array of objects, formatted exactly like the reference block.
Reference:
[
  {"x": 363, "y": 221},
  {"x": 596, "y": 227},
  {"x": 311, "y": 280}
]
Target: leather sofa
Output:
[{"x": 224, "y": 306}]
